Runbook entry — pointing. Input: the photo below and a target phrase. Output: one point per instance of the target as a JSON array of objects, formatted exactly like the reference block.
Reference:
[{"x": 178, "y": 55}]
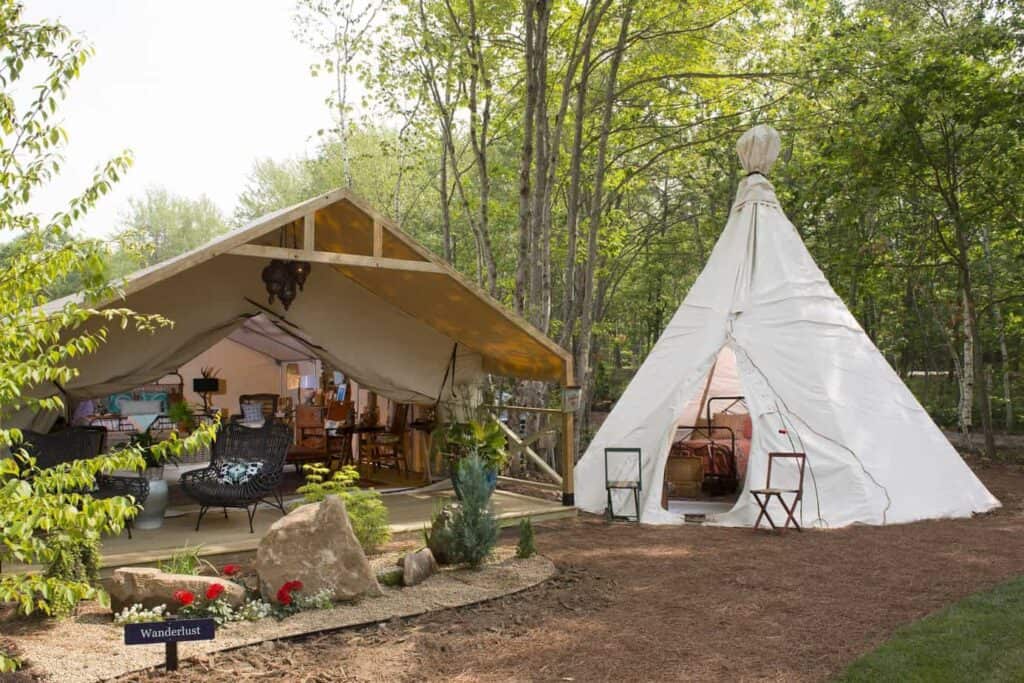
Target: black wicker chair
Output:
[
  {"x": 238, "y": 444},
  {"x": 82, "y": 443}
]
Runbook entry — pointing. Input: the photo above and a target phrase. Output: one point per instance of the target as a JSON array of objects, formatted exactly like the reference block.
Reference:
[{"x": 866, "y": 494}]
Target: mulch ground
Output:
[{"x": 680, "y": 603}]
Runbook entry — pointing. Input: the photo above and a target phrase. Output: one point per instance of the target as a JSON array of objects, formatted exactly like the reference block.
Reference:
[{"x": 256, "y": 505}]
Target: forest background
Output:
[{"x": 576, "y": 160}]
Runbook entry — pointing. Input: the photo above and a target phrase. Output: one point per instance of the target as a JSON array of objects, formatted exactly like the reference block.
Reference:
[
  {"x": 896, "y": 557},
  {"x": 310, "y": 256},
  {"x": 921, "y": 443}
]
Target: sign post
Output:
[{"x": 170, "y": 633}]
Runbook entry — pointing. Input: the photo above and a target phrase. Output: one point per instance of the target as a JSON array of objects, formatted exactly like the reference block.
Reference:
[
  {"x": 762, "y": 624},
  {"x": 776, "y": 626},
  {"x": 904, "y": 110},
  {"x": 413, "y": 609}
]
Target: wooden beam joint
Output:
[{"x": 334, "y": 258}]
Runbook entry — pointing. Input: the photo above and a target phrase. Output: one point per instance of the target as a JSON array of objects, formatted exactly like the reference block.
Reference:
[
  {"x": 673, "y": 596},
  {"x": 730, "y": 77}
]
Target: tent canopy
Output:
[
  {"x": 813, "y": 381},
  {"x": 377, "y": 305}
]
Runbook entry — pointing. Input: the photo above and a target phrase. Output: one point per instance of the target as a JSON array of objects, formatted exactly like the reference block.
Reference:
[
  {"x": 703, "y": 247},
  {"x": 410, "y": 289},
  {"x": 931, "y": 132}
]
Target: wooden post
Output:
[
  {"x": 568, "y": 441},
  {"x": 568, "y": 458},
  {"x": 309, "y": 232}
]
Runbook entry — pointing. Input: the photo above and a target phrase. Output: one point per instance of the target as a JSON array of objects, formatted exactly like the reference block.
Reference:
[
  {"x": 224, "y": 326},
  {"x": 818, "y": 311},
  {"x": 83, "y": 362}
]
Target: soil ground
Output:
[{"x": 682, "y": 603}]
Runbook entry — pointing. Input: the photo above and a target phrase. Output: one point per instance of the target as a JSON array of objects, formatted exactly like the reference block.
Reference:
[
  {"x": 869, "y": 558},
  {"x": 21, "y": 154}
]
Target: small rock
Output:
[
  {"x": 417, "y": 566},
  {"x": 151, "y": 587},
  {"x": 315, "y": 544}
]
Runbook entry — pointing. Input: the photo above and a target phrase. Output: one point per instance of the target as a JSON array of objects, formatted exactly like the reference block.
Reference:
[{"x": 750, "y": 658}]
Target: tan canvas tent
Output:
[{"x": 377, "y": 306}]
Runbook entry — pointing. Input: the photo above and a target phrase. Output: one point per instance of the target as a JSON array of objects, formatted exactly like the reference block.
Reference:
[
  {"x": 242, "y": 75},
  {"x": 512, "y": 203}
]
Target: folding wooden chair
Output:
[
  {"x": 764, "y": 496},
  {"x": 634, "y": 485}
]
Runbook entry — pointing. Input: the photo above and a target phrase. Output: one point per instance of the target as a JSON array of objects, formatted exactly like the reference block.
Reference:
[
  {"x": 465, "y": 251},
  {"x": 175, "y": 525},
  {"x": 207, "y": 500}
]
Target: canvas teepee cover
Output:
[{"x": 806, "y": 368}]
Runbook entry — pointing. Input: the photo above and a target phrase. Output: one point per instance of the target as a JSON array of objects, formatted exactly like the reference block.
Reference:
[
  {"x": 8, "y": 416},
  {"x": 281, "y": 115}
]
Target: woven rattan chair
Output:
[
  {"x": 82, "y": 443},
  {"x": 238, "y": 444}
]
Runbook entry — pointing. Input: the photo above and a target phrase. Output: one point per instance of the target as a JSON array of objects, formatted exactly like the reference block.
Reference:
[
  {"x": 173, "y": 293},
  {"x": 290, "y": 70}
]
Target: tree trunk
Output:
[
  {"x": 523, "y": 284},
  {"x": 586, "y": 332},
  {"x": 997, "y": 316}
]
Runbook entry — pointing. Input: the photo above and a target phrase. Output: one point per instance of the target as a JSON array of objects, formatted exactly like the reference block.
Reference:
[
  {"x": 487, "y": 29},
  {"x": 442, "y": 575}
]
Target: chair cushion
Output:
[
  {"x": 252, "y": 412},
  {"x": 114, "y": 401},
  {"x": 237, "y": 473}
]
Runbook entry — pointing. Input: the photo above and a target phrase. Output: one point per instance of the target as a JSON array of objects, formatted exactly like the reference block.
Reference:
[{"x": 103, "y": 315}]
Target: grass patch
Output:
[{"x": 980, "y": 638}]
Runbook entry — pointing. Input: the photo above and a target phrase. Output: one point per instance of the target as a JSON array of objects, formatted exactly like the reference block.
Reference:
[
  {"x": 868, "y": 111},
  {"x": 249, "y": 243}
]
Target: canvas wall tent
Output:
[
  {"x": 805, "y": 367},
  {"x": 377, "y": 306}
]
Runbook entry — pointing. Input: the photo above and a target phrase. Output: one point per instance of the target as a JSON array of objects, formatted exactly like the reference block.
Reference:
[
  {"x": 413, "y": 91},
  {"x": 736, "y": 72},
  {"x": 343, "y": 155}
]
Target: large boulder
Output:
[
  {"x": 315, "y": 544},
  {"x": 151, "y": 587}
]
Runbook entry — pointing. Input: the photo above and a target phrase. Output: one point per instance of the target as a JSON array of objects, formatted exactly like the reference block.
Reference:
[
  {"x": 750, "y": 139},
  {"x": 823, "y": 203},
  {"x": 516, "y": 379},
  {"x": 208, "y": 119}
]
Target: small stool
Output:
[
  {"x": 634, "y": 485},
  {"x": 764, "y": 496}
]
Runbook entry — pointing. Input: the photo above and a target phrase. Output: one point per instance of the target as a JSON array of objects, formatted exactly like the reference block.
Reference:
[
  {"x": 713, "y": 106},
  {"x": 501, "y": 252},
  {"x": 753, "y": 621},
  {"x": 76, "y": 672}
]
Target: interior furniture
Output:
[
  {"x": 722, "y": 441},
  {"x": 125, "y": 413},
  {"x": 765, "y": 495},
  {"x": 387, "y": 449},
  {"x": 683, "y": 476},
  {"x": 208, "y": 386},
  {"x": 311, "y": 443},
  {"x": 630, "y": 484},
  {"x": 267, "y": 403},
  {"x": 246, "y": 464},
  {"x": 82, "y": 443}
]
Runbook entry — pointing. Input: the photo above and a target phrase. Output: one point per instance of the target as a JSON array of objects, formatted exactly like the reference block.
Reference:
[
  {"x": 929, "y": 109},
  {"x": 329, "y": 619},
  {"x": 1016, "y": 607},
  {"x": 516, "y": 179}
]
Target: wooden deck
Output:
[{"x": 407, "y": 512}]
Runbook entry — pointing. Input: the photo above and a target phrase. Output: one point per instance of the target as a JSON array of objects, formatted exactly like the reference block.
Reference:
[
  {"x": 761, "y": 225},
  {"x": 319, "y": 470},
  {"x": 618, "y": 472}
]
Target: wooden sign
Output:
[{"x": 170, "y": 633}]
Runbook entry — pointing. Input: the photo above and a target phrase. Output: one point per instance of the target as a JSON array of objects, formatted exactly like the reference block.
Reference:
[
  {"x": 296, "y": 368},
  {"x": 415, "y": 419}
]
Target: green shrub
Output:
[
  {"x": 183, "y": 561},
  {"x": 474, "y": 528},
  {"x": 526, "y": 547},
  {"x": 366, "y": 509},
  {"x": 10, "y": 659}
]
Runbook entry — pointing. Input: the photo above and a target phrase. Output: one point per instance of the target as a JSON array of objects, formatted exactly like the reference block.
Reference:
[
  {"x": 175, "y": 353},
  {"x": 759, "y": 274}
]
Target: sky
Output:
[{"x": 197, "y": 89}]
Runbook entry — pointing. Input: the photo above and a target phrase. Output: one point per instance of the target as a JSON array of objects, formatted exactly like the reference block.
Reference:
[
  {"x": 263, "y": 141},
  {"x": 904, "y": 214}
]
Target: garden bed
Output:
[{"x": 90, "y": 647}]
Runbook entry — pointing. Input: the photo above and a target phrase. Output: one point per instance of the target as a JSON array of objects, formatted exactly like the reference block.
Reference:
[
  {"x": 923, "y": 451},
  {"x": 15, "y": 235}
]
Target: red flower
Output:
[
  {"x": 186, "y": 598},
  {"x": 214, "y": 591},
  {"x": 231, "y": 569},
  {"x": 284, "y": 593}
]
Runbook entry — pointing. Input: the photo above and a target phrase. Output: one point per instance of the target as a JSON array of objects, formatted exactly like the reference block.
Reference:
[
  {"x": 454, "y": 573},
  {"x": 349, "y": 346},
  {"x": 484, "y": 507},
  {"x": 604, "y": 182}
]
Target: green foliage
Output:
[
  {"x": 184, "y": 561},
  {"x": 47, "y": 516},
  {"x": 474, "y": 528},
  {"x": 391, "y": 578},
  {"x": 182, "y": 415},
  {"x": 165, "y": 225},
  {"x": 76, "y": 560},
  {"x": 9, "y": 659},
  {"x": 483, "y": 438},
  {"x": 526, "y": 547},
  {"x": 366, "y": 509},
  {"x": 977, "y": 639}
]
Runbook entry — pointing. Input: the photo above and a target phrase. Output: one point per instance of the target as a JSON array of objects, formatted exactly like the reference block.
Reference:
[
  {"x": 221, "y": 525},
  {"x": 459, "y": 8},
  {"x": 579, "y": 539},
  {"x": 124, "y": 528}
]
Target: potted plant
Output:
[
  {"x": 183, "y": 416},
  {"x": 459, "y": 440}
]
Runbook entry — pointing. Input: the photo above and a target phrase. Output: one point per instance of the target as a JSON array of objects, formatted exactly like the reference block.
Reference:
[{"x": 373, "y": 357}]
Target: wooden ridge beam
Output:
[{"x": 333, "y": 258}]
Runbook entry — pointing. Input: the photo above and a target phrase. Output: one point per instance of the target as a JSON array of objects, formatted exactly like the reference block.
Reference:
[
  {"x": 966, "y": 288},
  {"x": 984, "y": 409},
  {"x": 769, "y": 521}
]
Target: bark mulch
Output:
[{"x": 683, "y": 603}]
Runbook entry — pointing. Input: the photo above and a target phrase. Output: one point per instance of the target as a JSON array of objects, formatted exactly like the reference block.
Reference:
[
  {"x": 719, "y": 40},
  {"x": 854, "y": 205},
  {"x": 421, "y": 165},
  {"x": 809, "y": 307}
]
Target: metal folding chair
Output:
[{"x": 634, "y": 485}]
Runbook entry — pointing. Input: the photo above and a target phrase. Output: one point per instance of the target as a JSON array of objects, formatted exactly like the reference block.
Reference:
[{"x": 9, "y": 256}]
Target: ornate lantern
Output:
[
  {"x": 276, "y": 275},
  {"x": 300, "y": 271}
]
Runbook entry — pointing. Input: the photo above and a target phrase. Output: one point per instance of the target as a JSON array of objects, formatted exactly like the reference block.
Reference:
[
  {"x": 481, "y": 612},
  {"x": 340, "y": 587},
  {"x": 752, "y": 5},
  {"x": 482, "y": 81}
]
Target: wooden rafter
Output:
[{"x": 333, "y": 258}]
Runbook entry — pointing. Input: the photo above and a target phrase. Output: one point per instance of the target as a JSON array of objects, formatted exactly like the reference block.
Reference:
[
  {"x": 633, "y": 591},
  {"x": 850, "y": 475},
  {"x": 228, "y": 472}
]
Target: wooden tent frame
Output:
[{"x": 240, "y": 243}]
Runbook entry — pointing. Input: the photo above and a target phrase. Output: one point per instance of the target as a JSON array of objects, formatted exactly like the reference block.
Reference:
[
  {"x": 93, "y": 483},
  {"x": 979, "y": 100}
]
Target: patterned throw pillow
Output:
[
  {"x": 252, "y": 412},
  {"x": 237, "y": 473}
]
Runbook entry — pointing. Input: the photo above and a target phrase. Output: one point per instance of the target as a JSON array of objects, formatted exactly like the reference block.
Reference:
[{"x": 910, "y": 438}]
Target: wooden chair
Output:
[
  {"x": 764, "y": 496},
  {"x": 311, "y": 437},
  {"x": 388, "y": 449},
  {"x": 634, "y": 485},
  {"x": 268, "y": 403}
]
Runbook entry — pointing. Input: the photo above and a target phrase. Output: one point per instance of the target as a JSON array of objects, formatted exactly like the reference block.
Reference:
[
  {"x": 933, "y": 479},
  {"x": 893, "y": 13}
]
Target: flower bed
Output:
[{"x": 90, "y": 647}]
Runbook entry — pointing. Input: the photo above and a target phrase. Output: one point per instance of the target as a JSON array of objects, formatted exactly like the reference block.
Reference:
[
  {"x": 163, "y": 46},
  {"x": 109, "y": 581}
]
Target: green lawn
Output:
[{"x": 980, "y": 638}]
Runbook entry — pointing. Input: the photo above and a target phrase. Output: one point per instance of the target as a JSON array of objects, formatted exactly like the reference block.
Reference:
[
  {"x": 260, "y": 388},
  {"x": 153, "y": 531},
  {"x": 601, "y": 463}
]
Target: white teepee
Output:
[{"x": 813, "y": 382}]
